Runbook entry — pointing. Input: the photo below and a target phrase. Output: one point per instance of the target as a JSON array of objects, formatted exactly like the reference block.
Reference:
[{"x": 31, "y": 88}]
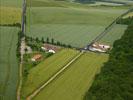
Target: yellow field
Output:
[
  {"x": 10, "y": 15},
  {"x": 128, "y": 15}
]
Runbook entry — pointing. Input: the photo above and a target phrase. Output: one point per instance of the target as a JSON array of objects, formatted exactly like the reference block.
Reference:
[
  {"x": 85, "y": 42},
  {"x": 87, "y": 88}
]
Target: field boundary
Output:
[{"x": 54, "y": 77}]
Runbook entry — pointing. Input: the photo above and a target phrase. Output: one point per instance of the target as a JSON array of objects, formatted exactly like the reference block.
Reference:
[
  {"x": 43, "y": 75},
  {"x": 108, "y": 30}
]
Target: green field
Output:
[
  {"x": 42, "y": 72},
  {"x": 8, "y": 63},
  {"x": 76, "y": 80},
  {"x": 114, "y": 34},
  {"x": 11, "y": 3},
  {"x": 70, "y": 25},
  {"x": 10, "y": 15}
]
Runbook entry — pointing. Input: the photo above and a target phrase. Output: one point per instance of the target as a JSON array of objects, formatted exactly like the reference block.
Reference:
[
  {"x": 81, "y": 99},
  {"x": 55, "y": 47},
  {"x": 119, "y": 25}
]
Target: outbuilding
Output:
[
  {"x": 99, "y": 47},
  {"x": 50, "y": 48},
  {"x": 36, "y": 57}
]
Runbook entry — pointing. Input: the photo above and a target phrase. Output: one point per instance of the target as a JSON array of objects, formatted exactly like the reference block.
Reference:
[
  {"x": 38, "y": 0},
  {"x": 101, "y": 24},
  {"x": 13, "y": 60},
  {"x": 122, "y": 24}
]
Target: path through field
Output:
[
  {"x": 75, "y": 80},
  {"x": 53, "y": 77}
]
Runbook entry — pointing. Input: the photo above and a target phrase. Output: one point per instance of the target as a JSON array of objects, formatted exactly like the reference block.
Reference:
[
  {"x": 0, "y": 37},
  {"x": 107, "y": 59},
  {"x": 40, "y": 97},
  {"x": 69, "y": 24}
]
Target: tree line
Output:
[
  {"x": 115, "y": 82},
  {"x": 36, "y": 43}
]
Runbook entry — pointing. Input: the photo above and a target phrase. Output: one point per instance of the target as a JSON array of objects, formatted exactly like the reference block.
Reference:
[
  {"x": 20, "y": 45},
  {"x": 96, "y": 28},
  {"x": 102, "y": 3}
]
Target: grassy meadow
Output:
[
  {"x": 70, "y": 25},
  {"x": 76, "y": 80},
  {"x": 114, "y": 34},
  {"x": 8, "y": 63},
  {"x": 42, "y": 72}
]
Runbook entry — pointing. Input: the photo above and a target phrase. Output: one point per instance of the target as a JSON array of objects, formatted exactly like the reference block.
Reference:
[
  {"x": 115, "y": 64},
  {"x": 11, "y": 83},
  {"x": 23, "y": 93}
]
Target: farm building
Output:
[
  {"x": 36, "y": 57},
  {"x": 50, "y": 48},
  {"x": 99, "y": 47}
]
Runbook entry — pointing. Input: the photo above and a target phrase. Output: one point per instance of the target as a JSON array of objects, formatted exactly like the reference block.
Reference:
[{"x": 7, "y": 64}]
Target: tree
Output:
[
  {"x": 58, "y": 43},
  {"x": 69, "y": 46},
  {"x": 25, "y": 49},
  {"x": 47, "y": 40},
  {"x": 42, "y": 40},
  {"x": 52, "y": 41},
  {"x": 37, "y": 40}
]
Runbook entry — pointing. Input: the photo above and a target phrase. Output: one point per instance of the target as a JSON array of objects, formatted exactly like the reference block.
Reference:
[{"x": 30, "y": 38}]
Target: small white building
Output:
[
  {"x": 99, "y": 47},
  {"x": 51, "y": 51}
]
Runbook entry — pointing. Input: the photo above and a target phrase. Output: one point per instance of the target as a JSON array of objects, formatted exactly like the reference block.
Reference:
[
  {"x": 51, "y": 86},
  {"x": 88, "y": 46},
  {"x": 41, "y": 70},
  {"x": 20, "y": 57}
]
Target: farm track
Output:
[
  {"x": 21, "y": 69},
  {"x": 53, "y": 77},
  {"x": 9, "y": 69}
]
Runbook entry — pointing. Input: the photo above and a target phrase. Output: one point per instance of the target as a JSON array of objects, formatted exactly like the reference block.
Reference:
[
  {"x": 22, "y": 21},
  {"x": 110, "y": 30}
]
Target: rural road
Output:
[
  {"x": 53, "y": 77},
  {"x": 22, "y": 51}
]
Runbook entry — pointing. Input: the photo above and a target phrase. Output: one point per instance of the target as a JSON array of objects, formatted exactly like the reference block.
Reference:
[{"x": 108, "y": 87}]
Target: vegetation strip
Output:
[{"x": 53, "y": 77}]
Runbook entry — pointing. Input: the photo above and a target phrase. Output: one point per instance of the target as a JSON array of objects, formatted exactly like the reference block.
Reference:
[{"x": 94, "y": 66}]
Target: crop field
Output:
[
  {"x": 11, "y": 3},
  {"x": 70, "y": 25},
  {"x": 75, "y": 81},
  {"x": 114, "y": 34},
  {"x": 45, "y": 70},
  {"x": 10, "y": 15},
  {"x": 8, "y": 63}
]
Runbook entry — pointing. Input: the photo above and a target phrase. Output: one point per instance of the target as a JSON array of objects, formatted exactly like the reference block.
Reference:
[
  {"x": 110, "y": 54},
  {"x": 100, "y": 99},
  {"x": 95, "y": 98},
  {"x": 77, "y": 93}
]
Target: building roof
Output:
[
  {"x": 51, "y": 47},
  {"x": 100, "y": 46},
  {"x": 37, "y": 56}
]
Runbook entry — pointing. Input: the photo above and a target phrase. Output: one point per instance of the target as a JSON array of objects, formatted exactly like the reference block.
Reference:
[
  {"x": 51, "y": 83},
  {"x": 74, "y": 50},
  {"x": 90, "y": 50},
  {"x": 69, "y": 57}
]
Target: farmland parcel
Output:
[
  {"x": 113, "y": 34},
  {"x": 69, "y": 24},
  {"x": 8, "y": 63},
  {"x": 45, "y": 70},
  {"x": 10, "y": 15},
  {"x": 74, "y": 82}
]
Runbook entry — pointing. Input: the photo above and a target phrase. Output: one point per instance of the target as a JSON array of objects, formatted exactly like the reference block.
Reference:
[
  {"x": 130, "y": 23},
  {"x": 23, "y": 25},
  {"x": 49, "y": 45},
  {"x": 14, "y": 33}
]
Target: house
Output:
[
  {"x": 36, "y": 57},
  {"x": 50, "y": 48},
  {"x": 99, "y": 47}
]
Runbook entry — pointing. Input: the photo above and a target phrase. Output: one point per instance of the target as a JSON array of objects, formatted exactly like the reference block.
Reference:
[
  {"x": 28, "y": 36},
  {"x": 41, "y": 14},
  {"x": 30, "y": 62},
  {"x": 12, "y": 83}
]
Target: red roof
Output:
[{"x": 37, "y": 56}]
